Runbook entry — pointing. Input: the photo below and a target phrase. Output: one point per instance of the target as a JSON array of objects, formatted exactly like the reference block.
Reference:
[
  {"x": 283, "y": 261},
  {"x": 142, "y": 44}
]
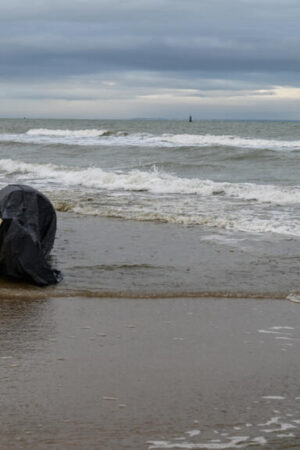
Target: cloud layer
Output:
[{"x": 163, "y": 57}]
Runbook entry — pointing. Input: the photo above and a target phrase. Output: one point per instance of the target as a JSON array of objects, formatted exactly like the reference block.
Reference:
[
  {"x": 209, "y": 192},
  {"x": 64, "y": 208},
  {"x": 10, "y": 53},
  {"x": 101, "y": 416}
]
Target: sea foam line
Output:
[{"x": 212, "y": 219}]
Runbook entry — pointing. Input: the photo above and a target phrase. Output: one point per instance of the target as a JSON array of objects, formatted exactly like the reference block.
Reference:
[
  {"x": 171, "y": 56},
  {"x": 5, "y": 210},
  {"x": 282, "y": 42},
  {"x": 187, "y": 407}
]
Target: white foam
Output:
[
  {"x": 295, "y": 298},
  {"x": 229, "y": 141},
  {"x": 273, "y": 397},
  {"x": 115, "y": 138},
  {"x": 286, "y": 435},
  {"x": 193, "y": 433},
  {"x": 259, "y": 440},
  {"x": 283, "y": 426},
  {"x": 65, "y": 133},
  {"x": 155, "y": 181},
  {"x": 188, "y": 218},
  {"x": 269, "y": 332},
  {"x": 169, "y": 198},
  {"x": 235, "y": 442},
  {"x": 287, "y": 338},
  {"x": 282, "y": 328}
]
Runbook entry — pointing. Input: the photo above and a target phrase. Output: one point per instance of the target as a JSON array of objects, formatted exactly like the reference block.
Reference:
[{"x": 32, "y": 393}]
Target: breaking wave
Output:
[
  {"x": 102, "y": 137},
  {"x": 160, "y": 196},
  {"x": 155, "y": 182}
]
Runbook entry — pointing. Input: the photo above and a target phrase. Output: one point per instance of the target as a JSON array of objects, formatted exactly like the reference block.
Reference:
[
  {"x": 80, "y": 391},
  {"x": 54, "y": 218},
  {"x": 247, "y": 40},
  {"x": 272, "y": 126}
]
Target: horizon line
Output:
[{"x": 148, "y": 118}]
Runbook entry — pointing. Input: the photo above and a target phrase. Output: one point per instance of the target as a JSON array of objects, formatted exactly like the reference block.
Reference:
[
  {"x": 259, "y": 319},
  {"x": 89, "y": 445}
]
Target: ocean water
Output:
[{"x": 166, "y": 207}]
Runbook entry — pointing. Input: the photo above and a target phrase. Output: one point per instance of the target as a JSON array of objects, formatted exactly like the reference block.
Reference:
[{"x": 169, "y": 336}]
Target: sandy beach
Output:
[
  {"x": 173, "y": 327},
  {"x": 165, "y": 136},
  {"x": 149, "y": 374}
]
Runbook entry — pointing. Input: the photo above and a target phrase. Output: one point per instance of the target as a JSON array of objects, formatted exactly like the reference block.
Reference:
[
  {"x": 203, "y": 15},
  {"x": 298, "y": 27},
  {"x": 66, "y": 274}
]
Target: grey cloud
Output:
[
  {"x": 132, "y": 86},
  {"x": 200, "y": 36},
  {"x": 147, "y": 45},
  {"x": 20, "y": 60}
]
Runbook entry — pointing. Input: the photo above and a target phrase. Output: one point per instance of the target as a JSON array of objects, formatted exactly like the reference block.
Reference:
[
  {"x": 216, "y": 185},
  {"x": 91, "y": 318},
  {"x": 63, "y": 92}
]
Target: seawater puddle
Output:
[{"x": 280, "y": 428}]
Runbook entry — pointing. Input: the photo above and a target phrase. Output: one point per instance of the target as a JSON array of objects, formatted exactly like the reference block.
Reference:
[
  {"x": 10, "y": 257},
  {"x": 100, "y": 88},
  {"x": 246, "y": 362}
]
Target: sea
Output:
[{"x": 164, "y": 208}]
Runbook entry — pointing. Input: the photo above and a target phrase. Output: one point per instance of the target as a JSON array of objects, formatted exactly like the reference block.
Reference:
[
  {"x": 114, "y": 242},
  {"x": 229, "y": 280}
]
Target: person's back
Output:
[{"x": 27, "y": 234}]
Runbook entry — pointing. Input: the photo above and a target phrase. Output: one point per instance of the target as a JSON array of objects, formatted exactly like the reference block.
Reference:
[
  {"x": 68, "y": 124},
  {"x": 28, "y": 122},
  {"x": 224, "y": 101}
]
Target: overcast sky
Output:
[{"x": 215, "y": 59}]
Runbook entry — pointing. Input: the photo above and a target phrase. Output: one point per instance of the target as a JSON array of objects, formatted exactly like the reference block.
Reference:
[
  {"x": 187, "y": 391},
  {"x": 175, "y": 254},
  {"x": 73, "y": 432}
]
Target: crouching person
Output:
[{"x": 27, "y": 233}]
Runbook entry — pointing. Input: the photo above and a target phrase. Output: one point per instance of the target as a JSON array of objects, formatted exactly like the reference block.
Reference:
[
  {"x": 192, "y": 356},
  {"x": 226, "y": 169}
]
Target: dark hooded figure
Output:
[{"x": 27, "y": 233}]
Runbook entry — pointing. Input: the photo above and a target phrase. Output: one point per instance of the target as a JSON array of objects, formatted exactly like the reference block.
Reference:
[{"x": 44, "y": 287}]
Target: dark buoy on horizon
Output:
[{"x": 190, "y": 119}]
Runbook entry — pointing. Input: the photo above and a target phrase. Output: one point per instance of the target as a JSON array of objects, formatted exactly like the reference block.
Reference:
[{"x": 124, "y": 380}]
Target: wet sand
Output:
[{"x": 149, "y": 374}]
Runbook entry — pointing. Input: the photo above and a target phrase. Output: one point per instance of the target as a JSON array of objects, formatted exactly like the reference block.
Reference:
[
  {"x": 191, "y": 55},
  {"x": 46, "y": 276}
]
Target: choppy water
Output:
[{"x": 235, "y": 181}]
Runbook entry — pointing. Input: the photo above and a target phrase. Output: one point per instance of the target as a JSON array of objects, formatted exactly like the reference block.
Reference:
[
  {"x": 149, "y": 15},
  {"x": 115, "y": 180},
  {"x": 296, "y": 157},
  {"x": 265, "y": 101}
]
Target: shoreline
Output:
[
  {"x": 149, "y": 374},
  {"x": 13, "y": 289}
]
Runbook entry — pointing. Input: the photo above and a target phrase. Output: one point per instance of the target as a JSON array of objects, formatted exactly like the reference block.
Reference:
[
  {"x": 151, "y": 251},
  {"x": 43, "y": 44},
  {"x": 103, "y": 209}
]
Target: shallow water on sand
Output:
[
  {"x": 109, "y": 257},
  {"x": 143, "y": 259}
]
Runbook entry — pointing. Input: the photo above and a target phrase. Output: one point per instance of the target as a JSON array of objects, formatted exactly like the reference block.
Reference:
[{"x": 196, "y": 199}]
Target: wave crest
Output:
[
  {"x": 155, "y": 182},
  {"x": 101, "y": 137},
  {"x": 160, "y": 196}
]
